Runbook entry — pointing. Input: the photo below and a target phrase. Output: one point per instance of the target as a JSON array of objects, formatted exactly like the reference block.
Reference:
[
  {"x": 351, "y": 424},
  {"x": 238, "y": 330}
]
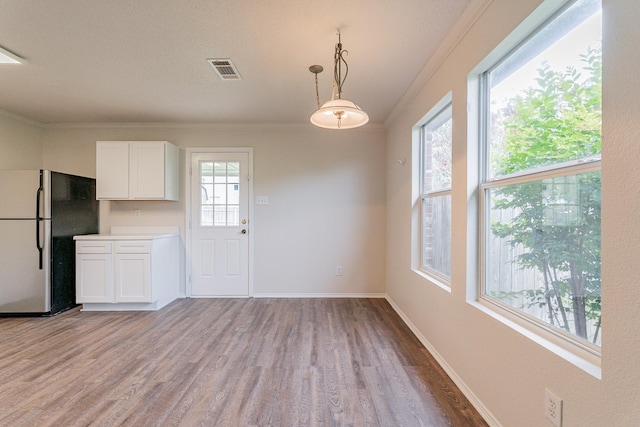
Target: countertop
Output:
[{"x": 124, "y": 236}]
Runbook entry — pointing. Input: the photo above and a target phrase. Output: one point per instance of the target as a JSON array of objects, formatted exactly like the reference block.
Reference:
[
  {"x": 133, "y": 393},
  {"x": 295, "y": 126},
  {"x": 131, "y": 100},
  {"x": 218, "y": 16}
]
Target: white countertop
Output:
[
  {"x": 133, "y": 233},
  {"x": 124, "y": 236}
]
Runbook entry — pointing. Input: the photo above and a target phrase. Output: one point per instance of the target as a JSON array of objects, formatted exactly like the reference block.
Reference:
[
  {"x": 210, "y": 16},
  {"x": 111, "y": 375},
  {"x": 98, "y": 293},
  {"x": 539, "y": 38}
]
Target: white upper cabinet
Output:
[
  {"x": 136, "y": 170},
  {"x": 112, "y": 170}
]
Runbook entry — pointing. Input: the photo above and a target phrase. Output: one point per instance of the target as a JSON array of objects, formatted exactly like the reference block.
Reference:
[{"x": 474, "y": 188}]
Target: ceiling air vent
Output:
[{"x": 224, "y": 68}]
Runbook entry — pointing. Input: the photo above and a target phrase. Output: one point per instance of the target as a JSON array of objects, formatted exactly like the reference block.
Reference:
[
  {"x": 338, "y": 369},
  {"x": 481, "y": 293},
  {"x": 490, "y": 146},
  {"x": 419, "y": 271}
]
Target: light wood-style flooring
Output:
[{"x": 226, "y": 362}]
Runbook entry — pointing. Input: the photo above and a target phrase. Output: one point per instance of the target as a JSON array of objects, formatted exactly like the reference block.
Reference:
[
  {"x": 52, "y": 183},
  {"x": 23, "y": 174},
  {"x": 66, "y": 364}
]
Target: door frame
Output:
[{"x": 189, "y": 211}]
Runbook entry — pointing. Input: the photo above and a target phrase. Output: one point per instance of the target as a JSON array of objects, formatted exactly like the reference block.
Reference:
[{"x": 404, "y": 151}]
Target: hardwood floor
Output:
[{"x": 226, "y": 362}]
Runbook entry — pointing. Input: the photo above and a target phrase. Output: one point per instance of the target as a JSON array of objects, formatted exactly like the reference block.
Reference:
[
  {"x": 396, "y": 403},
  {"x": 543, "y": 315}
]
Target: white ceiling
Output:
[{"x": 135, "y": 61}]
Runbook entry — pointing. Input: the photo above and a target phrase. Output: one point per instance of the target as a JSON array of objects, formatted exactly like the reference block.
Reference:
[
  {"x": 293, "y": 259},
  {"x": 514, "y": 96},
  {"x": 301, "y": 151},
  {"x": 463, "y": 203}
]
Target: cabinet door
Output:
[
  {"x": 112, "y": 170},
  {"x": 147, "y": 170},
  {"x": 94, "y": 278},
  {"x": 133, "y": 281}
]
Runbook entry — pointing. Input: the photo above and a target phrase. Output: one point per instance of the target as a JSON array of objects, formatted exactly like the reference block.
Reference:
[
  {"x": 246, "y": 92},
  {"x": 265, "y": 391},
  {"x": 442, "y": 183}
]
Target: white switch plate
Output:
[{"x": 262, "y": 200}]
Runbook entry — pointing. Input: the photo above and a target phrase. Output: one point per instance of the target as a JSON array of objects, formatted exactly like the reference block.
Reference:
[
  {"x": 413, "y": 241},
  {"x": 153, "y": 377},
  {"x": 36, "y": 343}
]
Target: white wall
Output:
[
  {"x": 20, "y": 143},
  {"x": 502, "y": 370},
  {"x": 326, "y": 191}
]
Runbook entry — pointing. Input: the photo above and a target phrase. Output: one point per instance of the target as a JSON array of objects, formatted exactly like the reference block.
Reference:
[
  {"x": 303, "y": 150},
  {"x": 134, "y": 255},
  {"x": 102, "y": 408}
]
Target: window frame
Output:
[
  {"x": 444, "y": 105},
  {"x": 574, "y": 168},
  {"x": 575, "y": 345},
  {"x": 215, "y": 194}
]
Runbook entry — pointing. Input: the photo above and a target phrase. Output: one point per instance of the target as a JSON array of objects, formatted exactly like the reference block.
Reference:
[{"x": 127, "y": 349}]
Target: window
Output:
[
  {"x": 219, "y": 194},
  {"x": 540, "y": 183},
  {"x": 435, "y": 194}
]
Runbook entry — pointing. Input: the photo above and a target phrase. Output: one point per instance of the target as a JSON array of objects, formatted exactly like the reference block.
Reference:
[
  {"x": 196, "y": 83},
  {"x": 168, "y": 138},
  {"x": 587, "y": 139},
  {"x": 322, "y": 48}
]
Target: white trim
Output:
[
  {"x": 189, "y": 152},
  {"x": 188, "y": 125},
  {"x": 457, "y": 33},
  {"x": 473, "y": 399},
  {"x": 562, "y": 345},
  {"x": 418, "y": 195},
  {"x": 436, "y": 193},
  {"x": 540, "y": 15},
  {"x": 23, "y": 119},
  {"x": 433, "y": 277},
  {"x": 319, "y": 295},
  {"x": 573, "y": 167},
  {"x": 566, "y": 346}
]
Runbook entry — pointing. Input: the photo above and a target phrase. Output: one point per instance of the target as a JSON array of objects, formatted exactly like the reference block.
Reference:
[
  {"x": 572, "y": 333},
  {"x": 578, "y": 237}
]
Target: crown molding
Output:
[
  {"x": 22, "y": 119},
  {"x": 458, "y": 31},
  {"x": 198, "y": 125}
]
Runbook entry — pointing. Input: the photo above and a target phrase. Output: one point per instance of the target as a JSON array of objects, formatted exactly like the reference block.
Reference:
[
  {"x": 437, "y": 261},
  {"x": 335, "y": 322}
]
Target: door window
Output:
[{"x": 219, "y": 194}]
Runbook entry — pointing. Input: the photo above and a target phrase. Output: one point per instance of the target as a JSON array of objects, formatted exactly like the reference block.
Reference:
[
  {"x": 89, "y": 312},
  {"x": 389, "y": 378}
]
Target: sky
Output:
[{"x": 562, "y": 54}]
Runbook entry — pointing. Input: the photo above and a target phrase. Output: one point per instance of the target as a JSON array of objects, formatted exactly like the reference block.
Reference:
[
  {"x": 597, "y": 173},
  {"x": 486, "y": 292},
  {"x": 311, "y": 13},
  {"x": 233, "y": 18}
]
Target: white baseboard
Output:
[{"x": 473, "y": 399}]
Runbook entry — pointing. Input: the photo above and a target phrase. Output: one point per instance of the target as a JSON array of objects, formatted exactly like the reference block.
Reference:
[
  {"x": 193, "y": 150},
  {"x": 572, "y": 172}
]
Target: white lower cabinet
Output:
[
  {"x": 126, "y": 272},
  {"x": 94, "y": 278},
  {"x": 133, "y": 283}
]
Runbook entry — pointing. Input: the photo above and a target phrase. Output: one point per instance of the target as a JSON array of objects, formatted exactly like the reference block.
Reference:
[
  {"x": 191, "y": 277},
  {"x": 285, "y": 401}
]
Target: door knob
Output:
[{"x": 244, "y": 231}]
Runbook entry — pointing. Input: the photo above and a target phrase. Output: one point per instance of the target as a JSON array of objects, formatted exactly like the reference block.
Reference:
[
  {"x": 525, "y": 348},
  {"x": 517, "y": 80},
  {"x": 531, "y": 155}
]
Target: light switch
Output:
[{"x": 262, "y": 200}]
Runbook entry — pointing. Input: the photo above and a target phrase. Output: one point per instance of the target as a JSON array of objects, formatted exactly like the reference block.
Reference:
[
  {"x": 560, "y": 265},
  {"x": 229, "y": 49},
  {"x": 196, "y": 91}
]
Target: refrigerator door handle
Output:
[{"x": 38, "y": 221}]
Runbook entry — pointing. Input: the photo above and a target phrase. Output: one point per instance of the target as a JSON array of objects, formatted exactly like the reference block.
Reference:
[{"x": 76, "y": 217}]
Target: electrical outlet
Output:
[
  {"x": 339, "y": 270},
  {"x": 136, "y": 213},
  {"x": 553, "y": 408}
]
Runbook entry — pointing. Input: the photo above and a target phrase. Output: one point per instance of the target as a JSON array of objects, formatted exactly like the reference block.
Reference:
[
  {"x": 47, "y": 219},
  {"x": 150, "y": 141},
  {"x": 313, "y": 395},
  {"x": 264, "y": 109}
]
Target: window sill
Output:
[
  {"x": 581, "y": 358},
  {"x": 439, "y": 283}
]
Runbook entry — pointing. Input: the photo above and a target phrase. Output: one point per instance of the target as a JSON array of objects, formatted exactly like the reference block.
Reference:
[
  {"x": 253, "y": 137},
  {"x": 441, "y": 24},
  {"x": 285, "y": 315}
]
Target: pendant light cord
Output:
[
  {"x": 338, "y": 60},
  {"x": 317, "y": 94}
]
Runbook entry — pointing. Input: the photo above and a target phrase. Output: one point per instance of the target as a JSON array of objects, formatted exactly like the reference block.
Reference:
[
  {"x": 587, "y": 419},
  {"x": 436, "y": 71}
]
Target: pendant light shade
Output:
[{"x": 338, "y": 112}]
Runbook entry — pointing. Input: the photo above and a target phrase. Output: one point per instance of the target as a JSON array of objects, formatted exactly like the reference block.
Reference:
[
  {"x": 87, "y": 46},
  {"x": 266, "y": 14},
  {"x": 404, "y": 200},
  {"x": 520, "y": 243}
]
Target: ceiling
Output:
[{"x": 139, "y": 61}]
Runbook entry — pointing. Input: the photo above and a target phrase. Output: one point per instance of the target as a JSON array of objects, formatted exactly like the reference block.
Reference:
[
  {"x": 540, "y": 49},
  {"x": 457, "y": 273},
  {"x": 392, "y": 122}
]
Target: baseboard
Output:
[
  {"x": 473, "y": 399},
  {"x": 319, "y": 295}
]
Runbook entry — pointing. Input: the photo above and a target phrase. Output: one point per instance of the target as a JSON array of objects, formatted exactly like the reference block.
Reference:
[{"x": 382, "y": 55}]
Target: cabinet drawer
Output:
[
  {"x": 133, "y": 247},
  {"x": 93, "y": 247}
]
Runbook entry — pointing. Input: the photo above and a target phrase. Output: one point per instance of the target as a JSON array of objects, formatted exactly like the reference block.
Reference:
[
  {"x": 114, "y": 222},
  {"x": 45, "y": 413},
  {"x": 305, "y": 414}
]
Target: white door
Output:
[{"x": 220, "y": 224}]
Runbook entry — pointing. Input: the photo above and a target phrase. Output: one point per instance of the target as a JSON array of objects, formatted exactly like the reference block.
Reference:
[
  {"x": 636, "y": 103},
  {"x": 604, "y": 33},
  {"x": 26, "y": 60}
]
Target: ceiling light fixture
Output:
[
  {"x": 338, "y": 112},
  {"x": 7, "y": 57}
]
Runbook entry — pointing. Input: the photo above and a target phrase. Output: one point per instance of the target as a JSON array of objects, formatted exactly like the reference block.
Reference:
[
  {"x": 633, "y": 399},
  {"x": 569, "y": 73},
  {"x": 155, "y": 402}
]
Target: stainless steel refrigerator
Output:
[{"x": 40, "y": 212}]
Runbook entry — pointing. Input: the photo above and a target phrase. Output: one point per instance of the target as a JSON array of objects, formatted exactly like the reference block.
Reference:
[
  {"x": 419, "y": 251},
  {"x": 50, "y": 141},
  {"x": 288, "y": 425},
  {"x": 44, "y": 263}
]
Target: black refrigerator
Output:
[{"x": 40, "y": 212}]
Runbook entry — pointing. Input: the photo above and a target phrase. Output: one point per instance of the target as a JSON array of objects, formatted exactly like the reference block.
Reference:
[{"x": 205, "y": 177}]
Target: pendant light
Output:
[{"x": 338, "y": 112}]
